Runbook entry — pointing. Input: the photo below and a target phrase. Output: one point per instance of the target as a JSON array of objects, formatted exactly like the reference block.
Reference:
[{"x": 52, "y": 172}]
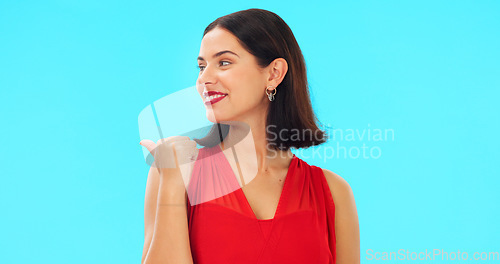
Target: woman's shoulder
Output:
[
  {"x": 341, "y": 190},
  {"x": 346, "y": 216},
  {"x": 338, "y": 185},
  {"x": 335, "y": 181}
]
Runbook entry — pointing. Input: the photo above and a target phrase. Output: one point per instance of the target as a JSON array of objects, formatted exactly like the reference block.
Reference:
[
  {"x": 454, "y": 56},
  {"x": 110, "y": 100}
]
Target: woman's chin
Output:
[{"x": 215, "y": 118}]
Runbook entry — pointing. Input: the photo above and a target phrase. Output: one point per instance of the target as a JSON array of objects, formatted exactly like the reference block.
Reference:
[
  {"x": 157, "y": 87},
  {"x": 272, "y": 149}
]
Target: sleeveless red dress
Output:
[{"x": 224, "y": 229}]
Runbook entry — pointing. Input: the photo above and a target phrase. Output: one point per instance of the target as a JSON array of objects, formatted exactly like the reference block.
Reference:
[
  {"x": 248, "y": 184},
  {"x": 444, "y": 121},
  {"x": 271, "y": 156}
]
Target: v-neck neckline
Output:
[{"x": 282, "y": 194}]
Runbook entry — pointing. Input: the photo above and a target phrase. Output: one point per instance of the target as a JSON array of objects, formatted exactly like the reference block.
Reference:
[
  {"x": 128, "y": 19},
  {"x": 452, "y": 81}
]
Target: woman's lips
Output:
[{"x": 215, "y": 100}]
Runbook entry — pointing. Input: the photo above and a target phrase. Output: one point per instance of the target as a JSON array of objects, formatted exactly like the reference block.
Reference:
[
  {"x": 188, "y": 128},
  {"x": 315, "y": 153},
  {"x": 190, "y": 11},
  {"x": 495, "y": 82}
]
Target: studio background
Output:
[{"x": 74, "y": 76}]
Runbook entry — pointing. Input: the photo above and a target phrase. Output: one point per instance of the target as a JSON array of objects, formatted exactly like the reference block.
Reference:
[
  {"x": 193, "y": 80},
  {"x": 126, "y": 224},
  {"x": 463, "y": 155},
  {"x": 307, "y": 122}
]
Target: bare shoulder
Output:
[
  {"x": 346, "y": 219},
  {"x": 340, "y": 189}
]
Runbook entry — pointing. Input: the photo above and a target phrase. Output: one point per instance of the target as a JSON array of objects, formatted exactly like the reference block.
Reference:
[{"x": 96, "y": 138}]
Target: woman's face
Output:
[{"x": 226, "y": 67}]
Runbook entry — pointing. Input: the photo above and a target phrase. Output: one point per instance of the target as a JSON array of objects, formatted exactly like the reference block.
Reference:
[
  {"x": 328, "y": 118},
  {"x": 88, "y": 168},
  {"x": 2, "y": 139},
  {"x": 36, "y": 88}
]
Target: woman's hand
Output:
[{"x": 169, "y": 153}]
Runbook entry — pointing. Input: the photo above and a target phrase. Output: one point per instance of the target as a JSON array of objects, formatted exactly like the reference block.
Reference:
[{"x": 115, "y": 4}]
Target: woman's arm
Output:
[
  {"x": 166, "y": 235},
  {"x": 346, "y": 220}
]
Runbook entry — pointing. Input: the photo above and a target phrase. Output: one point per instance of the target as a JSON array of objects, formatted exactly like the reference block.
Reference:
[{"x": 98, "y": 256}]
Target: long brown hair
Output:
[{"x": 266, "y": 36}]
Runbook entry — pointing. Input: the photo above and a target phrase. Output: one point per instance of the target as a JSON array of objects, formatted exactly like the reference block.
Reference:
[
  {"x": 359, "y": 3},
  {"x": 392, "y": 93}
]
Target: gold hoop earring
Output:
[{"x": 270, "y": 96}]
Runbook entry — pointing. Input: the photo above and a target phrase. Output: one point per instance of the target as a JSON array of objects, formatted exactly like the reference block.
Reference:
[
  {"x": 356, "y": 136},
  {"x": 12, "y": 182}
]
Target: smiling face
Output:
[{"x": 227, "y": 68}]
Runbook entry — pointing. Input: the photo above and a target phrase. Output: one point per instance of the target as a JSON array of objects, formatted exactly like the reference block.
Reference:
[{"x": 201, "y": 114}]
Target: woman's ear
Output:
[{"x": 277, "y": 71}]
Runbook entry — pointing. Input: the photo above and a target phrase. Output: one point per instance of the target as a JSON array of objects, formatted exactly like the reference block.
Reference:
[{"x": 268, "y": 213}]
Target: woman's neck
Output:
[{"x": 252, "y": 142}]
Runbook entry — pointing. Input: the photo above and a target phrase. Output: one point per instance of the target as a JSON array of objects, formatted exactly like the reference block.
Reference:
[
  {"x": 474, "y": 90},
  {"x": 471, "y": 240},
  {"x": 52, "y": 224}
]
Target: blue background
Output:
[{"x": 74, "y": 76}]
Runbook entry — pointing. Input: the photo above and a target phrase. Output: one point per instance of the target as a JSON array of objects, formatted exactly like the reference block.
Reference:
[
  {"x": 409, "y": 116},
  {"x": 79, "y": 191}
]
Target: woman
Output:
[{"x": 253, "y": 81}]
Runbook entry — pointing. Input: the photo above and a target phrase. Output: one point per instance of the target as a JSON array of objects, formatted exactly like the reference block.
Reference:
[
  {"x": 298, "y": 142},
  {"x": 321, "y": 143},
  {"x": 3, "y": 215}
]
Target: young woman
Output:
[{"x": 253, "y": 82}]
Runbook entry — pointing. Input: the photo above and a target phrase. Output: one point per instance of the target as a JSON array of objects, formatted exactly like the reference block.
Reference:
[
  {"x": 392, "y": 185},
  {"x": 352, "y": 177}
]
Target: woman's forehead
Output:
[{"x": 218, "y": 40}]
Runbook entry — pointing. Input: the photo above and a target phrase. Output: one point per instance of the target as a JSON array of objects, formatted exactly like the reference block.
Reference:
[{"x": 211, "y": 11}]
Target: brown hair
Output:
[{"x": 266, "y": 36}]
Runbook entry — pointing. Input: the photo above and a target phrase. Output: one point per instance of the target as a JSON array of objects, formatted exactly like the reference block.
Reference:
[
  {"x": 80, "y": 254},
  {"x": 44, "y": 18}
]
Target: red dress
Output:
[{"x": 224, "y": 229}]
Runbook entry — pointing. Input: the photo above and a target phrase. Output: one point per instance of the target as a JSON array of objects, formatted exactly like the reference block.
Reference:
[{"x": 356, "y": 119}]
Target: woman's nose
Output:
[{"x": 207, "y": 75}]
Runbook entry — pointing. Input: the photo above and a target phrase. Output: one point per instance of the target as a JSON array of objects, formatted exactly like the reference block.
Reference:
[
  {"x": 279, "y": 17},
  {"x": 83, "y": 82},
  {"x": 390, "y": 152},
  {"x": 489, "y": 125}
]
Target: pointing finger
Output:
[{"x": 148, "y": 144}]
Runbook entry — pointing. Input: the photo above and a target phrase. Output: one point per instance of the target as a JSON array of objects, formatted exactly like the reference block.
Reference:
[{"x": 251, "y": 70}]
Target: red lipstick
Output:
[{"x": 217, "y": 96}]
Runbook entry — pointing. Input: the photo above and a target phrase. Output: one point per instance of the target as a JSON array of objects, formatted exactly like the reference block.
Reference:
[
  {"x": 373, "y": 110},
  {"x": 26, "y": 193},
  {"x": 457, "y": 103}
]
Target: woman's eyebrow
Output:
[{"x": 219, "y": 54}]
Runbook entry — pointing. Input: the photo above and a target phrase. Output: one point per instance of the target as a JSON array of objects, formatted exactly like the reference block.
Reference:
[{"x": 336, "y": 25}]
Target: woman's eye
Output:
[{"x": 201, "y": 67}]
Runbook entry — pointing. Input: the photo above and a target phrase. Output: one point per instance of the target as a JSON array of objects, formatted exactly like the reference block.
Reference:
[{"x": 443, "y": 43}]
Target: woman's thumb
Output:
[{"x": 150, "y": 145}]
